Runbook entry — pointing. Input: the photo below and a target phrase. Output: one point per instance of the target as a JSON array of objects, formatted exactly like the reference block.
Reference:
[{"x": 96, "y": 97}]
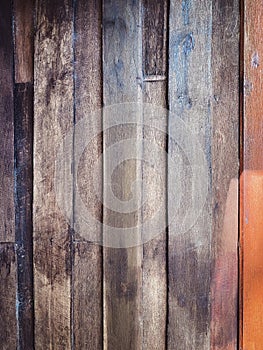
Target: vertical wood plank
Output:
[
  {"x": 8, "y": 334},
  {"x": 53, "y": 106},
  {"x": 251, "y": 180},
  {"x": 24, "y": 195},
  {"x": 7, "y": 216},
  {"x": 122, "y": 76},
  {"x": 154, "y": 297},
  {"x": 87, "y": 270},
  {"x": 23, "y": 98},
  {"x": 8, "y": 323},
  {"x": 24, "y": 32},
  {"x": 225, "y": 173},
  {"x": 189, "y": 99}
]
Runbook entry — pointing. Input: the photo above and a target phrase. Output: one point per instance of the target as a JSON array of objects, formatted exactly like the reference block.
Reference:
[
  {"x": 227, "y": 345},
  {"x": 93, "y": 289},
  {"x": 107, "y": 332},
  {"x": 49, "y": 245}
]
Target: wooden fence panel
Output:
[{"x": 71, "y": 69}]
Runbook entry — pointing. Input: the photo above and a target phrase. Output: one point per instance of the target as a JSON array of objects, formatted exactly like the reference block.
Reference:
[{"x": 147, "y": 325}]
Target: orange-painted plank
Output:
[{"x": 252, "y": 181}]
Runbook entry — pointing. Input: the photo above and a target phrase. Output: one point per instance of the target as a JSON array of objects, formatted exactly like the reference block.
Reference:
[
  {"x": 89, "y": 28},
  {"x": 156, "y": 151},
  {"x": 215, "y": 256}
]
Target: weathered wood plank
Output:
[
  {"x": 225, "y": 173},
  {"x": 23, "y": 137},
  {"x": 154, "y": 290},
  {"x": 8, "y": 334},
  {"x": 87, "y": 269},
  {"x": 154, "y": 295},
  {"x": 189, "y": 246},
  {"x": 7, "y": 232},
  {"x": 251, "y": 180},
  {"x": 53, "y": 105},
  {"x": 24, "y": 195},
  {"x": 122, "y": 76},
  {"x": 154, "y": 37},
  {"x": 24, "y": 32}
]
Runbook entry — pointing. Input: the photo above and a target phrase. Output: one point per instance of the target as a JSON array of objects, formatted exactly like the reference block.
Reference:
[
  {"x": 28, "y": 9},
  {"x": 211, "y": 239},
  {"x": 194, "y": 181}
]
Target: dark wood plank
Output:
[
  {"x": 122, "y": 78},
  {"x": 24, "y": 196},
  {"x": 189, "y": 246},
  {"x": 23, "y": 136},
  {"x": 53, "y": 106},
  {"x": 154, "y": 37},
  {"x": 7, "y": 233},
  {"x": 24, "y": 33},
  {"x": 8, "y": 334},
  {"x": 87, "y": 269},
  {"x": 225, "y": 173},
  {"x": 252, "y": 179}
]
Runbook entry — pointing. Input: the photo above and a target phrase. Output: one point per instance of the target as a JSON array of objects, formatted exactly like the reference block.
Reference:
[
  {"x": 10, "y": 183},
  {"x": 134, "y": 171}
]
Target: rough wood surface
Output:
[
  {"x": 8, "y": 334},
  {"x": 189, "y": 250},
  {"x": 154, "y": 37},
  {"x": 7, "y": 232},
  {"x": 24, "y": 195},
  {"x": 122, "y": 76},
  {"x": 251, "y": 180},
  {"x": 154, "y": 289},
  {"x": 53, "y": 105},
  {"x": 87, "y": 268},
  {"x": 23, "y": 137},
  {"x": 24, "y": 32},
  {"x": 225, "y": 172}
]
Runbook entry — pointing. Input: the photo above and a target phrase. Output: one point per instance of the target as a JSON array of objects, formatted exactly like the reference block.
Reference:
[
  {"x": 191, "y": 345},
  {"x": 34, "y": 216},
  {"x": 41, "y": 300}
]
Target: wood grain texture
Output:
[
  {"x": 154, "y": 37},
  {"x": 87, "y": 268},
  {"x": 189, "y": 254},
  {"x": 225, "y": 172},
  {"x": 53, "y": 105},
  {"x": 251, "y": 180},
  {"x": 24, "y": 34},
  {"x": 8, "y": 334},
  {"x": 154, "y": 289},
  {"x": 154, "y": 296},
  {"x": 122, "y": 76},
  {"x": 24, "y": 196},
  {"x": 7, "y": 232}
]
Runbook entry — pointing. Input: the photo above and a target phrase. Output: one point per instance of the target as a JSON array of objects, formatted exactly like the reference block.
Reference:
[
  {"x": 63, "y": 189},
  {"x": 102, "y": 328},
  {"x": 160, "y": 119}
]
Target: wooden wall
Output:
[{"x": 61, "y": 62}]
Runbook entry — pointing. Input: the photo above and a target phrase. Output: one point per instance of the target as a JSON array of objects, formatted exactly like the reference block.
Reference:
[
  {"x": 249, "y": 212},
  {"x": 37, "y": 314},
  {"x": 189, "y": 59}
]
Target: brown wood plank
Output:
[
  {"x": 24, "y": 32},
  {"x": 189, "y": 246},
  {"x": 53, "y": 105},
  {"x": 122, "y": 76},
  {"x": 87, "y": 269},
  {"x": 251, "y": 180},
  {"x": 154, "y": 299},
  {"x": 8, "y": 333},
  {"x": 154, "y": 37},
  {"x": 24, "y": 196},
  {"x": 7, "y": 233},
  {"x": 225, "y": 173}
]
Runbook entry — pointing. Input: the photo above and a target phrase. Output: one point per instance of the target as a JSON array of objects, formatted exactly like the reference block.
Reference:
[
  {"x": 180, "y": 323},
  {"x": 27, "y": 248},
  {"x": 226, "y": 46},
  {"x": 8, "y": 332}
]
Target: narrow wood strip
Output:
[
  {"x": 225, "y": 172},
  {"x": 8, "y": 330},
  {"x": 87, "y": 267},
  {"x": 24, "y": 40},
  {"x": 122, "y": 76},
  {"x": 155, "y": 286},
  {"x": 251, "y": 180},
  {"x": 7, "y": 232},
  {"x": 189, "y": 248},
  {"x": 24, "y": 196},
  {"x": 53, "y": 105}
]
